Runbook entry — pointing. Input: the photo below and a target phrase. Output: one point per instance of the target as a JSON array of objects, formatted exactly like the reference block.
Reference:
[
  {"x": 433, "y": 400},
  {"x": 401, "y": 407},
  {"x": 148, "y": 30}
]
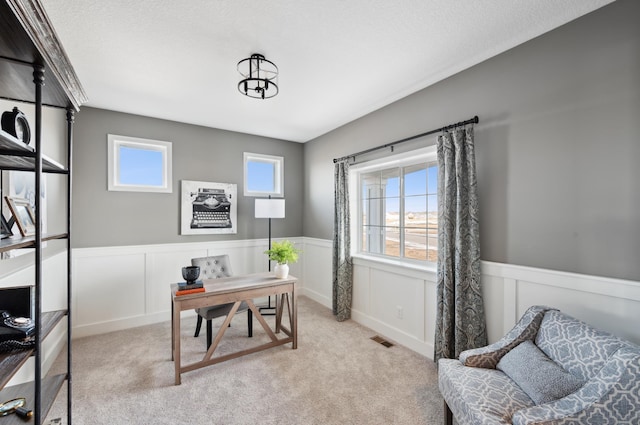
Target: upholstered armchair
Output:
[
  {"x": 550, "y": 369},
  {"x": 216, "y": 267}
]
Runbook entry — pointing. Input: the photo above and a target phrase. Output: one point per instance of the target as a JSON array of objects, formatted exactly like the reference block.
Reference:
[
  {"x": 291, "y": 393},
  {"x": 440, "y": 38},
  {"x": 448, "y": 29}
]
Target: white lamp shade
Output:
[{"x": 269, "y": 208}]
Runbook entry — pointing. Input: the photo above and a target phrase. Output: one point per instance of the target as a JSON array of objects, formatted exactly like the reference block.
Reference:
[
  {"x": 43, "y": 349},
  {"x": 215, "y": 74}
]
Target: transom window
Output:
[
  {"x": 398, "y": 206},
  {"x": 139, "y": 165},
  {"x": 263, "y": 175}
]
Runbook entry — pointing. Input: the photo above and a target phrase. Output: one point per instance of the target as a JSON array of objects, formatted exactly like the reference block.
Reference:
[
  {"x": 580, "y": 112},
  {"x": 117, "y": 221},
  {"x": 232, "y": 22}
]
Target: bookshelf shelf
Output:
[{"x": 34, "y": 69}]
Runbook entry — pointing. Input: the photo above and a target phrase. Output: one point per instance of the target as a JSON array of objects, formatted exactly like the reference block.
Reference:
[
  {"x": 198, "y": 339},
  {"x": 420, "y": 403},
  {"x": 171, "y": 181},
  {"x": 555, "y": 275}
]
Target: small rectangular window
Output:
[
  {"x": 263, "y": 175},
  {"x": 139, "y": 165}
]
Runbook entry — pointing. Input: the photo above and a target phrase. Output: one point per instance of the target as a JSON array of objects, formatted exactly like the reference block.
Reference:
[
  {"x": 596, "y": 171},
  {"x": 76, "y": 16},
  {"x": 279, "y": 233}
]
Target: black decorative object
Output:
[
  {"x": 259, "y": 77},
  {"x": 190, "y": 274},
  {"x": 5, "y": 231},
  {"x": 15, "y": 123}
]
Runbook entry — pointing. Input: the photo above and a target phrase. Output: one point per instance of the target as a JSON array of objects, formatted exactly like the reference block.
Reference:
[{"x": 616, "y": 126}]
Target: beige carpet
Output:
[{"x": 338, "y": 375}]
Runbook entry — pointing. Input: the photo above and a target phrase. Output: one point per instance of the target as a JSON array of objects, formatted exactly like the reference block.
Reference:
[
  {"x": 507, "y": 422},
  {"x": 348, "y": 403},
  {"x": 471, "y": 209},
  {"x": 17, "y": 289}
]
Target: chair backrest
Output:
[
  {"x": 576, "y": 346},
  {"x": 213, "y": 267}
]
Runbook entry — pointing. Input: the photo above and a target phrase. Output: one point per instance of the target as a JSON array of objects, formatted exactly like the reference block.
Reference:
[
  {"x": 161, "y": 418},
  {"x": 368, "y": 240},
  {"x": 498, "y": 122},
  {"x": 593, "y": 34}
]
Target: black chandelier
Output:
[{"x": 259, "y": 77}]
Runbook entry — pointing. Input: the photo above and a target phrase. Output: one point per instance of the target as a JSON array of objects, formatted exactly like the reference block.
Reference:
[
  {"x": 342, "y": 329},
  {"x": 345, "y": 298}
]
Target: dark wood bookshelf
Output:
[
  {"x": 18, "y": 242},
  {"x": 10, "y": 363},
  {"x": 50, "y": 387},
  {"x": 18, "y": 156},
  {"x": 35, "y": 70},
  {"x": 28, "y": 38}
]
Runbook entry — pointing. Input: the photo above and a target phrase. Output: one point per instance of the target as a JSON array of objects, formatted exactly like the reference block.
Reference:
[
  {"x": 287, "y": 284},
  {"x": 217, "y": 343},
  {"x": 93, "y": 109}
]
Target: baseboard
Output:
[
  {"x": 125, "y": 323},
  {"x": 393, "y": 334},
  {"x": 317, "y": 297}
]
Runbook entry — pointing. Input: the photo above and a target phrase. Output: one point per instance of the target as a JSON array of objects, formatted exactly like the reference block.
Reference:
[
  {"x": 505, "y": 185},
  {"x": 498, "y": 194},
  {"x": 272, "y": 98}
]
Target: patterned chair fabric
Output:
[
  {"x": 477, "y": 393},
  {"x": 489, "y": 356}
]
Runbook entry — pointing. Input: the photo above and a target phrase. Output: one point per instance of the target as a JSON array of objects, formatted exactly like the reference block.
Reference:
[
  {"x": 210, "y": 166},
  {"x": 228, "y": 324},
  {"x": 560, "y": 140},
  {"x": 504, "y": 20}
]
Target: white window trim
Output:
[
  {"x": 278, "y": 163},
  {"x": 114, "y": 143},
  {"x": 404, "y": 159}
]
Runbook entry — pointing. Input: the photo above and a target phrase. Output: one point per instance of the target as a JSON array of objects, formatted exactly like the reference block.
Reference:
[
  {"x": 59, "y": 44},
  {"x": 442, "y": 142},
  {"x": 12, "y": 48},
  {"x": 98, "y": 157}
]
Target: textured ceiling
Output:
[{"x": 338, "y": 59}]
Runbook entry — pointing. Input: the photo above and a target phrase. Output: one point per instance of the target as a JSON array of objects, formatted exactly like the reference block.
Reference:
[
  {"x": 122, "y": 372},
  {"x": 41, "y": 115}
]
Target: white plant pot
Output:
[{"x": 282, "y": 271}]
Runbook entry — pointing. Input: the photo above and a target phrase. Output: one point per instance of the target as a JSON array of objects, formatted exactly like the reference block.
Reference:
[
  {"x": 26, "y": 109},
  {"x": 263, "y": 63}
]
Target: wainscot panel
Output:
[
  {"x": 395, "y": 301},
  {"x": 609, "y": 304},
  {"x": 122, "y": 287},
  {"x": 381, "y": 287},
  {"x": 317, "y": 274}
]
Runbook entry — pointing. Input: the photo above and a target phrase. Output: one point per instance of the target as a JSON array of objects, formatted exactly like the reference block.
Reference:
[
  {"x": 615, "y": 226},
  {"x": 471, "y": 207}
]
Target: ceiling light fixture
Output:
[{"x": 259, "y": 77}]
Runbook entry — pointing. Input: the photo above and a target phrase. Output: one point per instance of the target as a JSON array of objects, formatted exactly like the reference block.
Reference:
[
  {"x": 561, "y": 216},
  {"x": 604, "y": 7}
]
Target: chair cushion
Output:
[
  {"x": 540, "y": 377},
  {"x": 215, "y": 311},
  {"x": 479, "y": 396}
]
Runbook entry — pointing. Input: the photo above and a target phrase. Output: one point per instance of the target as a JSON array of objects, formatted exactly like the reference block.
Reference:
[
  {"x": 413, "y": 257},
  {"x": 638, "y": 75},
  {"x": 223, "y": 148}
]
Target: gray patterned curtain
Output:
[
  {"x": 460, "y": 319},
  {"x": 342, "y": 268}
]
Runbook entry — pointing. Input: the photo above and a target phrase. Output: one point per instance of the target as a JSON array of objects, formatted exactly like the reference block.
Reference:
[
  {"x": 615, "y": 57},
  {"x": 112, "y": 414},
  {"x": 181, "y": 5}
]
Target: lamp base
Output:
[{"x": 268, "y": 307}]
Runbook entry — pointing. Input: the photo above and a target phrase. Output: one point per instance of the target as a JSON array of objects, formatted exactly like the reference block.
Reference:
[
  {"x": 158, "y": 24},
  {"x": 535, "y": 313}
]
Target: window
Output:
[
  {"x": 398, "y": 206},
  {"x": 139, "y": 165},
  {"x": 263, "y": 175}
]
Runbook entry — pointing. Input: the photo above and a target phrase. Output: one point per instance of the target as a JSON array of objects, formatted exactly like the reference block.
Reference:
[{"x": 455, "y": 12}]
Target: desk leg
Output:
[
  {"x": 294, "y": 322},
  {"x": 173, "y": 339},
  {"x": 176, "y": 340},
  {"x": 278, "y": 308}
]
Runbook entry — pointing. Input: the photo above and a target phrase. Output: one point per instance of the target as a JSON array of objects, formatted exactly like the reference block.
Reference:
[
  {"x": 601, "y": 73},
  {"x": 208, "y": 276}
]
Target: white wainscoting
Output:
[
  {"x": 399, "y": 303},
  {"x": 609, "y": 304},
  {"x": 122, "y": 287}
]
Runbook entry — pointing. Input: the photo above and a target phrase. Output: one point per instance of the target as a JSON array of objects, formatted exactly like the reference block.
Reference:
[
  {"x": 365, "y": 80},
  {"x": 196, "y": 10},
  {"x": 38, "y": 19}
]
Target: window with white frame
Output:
[
  {"x": 397, "y": 206},
  {"x": 139, "y": 165},
  {"x": 263, "y": 175}
]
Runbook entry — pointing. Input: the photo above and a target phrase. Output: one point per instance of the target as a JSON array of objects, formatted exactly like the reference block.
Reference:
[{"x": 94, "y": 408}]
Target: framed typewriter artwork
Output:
[{"x": 208, "y": 208}]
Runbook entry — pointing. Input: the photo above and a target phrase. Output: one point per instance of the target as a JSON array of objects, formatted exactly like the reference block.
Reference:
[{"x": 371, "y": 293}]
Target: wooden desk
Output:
[{"x": 235, "y": 290}]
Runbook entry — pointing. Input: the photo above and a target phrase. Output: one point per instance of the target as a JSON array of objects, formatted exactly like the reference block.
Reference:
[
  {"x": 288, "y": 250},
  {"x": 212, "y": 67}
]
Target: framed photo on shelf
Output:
[
  {"x": 6, "y": 229},
  {"x": 22, "y": 212}
]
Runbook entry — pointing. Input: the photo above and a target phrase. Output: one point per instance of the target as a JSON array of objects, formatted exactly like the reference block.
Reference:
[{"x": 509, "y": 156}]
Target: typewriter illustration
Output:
[{"x": 211, "y": 208}]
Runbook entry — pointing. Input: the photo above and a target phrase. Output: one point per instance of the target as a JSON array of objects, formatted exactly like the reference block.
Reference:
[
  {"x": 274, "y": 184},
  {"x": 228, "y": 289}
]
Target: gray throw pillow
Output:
[{"x": 540, "y": 377}]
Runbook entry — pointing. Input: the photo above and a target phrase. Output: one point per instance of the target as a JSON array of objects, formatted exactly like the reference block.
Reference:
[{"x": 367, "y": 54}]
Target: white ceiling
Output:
[{"x": 338, "y": 59}]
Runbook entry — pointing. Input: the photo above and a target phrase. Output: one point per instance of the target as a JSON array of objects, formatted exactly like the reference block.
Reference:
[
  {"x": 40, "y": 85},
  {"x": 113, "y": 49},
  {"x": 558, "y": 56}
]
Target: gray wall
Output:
[
  {"x": 558, "y": 146},
  {"x": 102, "y": 218}
]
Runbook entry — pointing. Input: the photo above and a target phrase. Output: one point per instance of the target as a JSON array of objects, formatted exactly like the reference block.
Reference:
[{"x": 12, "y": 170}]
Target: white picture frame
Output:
[{"x": 23, "y": 214}]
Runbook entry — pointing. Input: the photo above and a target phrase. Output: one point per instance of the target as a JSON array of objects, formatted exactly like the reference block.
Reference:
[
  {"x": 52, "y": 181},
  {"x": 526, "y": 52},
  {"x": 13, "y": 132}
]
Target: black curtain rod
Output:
[{"x": 473, "y": 120}]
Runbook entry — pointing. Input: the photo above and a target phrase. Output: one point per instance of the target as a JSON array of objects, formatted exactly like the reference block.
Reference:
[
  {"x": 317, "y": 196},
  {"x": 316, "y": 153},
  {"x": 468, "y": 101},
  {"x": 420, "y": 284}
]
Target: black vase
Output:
[{"x": 190, "y": 273}]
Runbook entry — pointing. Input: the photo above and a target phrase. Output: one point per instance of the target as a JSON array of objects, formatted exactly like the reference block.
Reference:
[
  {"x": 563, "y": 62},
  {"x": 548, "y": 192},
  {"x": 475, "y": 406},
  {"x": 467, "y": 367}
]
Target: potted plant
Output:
[{"x": 283, "y": 253}]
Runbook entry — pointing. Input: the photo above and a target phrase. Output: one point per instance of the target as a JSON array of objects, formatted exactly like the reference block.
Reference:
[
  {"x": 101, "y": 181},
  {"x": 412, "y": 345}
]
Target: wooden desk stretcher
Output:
[{"x": 236, "y": 289}]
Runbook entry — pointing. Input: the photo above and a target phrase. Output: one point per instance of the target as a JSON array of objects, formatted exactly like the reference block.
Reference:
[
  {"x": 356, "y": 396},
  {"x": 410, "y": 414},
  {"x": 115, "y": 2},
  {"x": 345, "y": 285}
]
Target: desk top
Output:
[{"x": 235, "y": 283}]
